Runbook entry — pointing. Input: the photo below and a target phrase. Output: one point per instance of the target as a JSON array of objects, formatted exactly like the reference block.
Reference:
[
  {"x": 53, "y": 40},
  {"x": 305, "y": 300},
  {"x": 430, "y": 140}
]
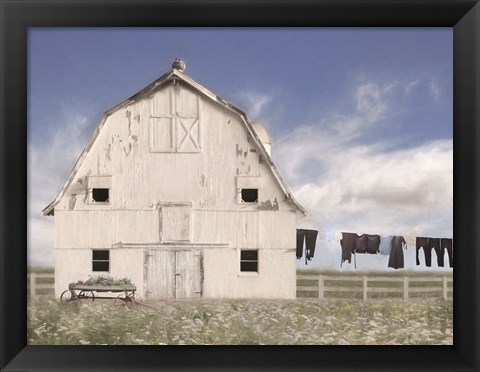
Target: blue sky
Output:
[{"x": 360, "y": 119}]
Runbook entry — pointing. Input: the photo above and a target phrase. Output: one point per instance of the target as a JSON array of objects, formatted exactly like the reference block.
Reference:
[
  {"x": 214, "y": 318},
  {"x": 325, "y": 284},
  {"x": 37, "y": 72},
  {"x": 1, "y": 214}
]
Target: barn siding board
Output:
[{"x": 161, "y": 274}]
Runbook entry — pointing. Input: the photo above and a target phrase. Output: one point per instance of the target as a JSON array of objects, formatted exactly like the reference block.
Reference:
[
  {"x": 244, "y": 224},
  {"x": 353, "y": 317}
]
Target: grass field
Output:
[{"x": 300, "y": 322}]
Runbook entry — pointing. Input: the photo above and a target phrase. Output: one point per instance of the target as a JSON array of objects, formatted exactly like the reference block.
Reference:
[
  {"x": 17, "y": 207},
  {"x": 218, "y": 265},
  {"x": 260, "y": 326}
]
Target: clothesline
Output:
[
  {"x": 331, "y": 235},
  {"x": 353, "y": 244}
]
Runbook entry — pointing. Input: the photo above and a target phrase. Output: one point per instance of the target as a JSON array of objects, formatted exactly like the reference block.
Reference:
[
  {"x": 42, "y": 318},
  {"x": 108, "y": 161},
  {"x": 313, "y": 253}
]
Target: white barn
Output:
[{"x": 177, "y": 191}]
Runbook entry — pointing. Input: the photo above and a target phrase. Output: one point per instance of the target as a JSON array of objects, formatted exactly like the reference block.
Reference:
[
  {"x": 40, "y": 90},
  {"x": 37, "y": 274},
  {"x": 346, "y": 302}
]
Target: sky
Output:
[{"x": 361, "y": 120}]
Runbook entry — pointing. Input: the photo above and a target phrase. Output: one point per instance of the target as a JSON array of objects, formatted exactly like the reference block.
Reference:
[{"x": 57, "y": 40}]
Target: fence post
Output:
[
  {"x": 405, "y": 287},
  {"x": 445, "y": 288},
  {"x": 321, "y": 287},
  {"x": 364, "y": 287},
  {"x": 33, "y": 281}
]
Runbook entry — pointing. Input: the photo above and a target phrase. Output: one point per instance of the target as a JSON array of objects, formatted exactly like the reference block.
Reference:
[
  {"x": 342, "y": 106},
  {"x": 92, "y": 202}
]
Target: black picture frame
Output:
[{"x": 17, "y": 16}]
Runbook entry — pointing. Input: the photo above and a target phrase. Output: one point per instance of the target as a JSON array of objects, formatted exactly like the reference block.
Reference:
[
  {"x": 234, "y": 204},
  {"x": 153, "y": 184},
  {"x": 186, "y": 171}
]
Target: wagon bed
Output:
[{"x": 86, "y": 293}]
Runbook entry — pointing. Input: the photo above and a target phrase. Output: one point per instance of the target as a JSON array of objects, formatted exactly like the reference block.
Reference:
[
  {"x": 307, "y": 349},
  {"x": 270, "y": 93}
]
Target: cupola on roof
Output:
[{"x": 179, "y": 65}]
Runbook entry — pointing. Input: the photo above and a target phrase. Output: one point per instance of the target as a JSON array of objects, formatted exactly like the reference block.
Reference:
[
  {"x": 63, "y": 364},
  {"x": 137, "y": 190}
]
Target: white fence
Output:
[
  {"x": 35, "y": 287},
  {"x": 405, "y": 285}
]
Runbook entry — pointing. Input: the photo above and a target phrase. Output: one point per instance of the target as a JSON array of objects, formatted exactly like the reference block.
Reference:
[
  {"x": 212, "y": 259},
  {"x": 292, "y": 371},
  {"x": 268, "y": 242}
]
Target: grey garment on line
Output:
[{"x": 386, "y": 244}]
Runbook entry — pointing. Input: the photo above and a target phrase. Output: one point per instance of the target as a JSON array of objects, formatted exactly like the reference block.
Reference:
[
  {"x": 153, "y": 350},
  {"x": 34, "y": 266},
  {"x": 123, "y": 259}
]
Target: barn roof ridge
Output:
[{"x": 166, "y": 78}]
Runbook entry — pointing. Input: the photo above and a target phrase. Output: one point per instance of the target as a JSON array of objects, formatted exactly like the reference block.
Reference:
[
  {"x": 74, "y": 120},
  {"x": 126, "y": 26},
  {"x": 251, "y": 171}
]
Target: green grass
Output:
[
  {"x": 342, "y": 295},
  {"x": 375, "y": 295},
  {"x": 244, "y": 322},
  {"x": 306, "y": 282},
  {"x": 379, "y": 284},
  {"x": 343, "y": 283},
  {"x": 45, "y": 280},
  {"x": 413, "y": 284},
  {"x": 40, "y": 270},
  {"x": 301, "y": 294}
]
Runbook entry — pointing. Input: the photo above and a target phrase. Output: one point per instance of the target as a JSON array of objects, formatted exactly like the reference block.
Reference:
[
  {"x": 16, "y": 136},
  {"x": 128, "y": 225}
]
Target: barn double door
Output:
[{"x": 173, "y": 274}]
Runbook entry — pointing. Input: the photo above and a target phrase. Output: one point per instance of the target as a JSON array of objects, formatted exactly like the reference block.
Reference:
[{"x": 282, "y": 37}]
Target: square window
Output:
[
  {"x": 100, "y": 260},
  {"x": 250, "y": 195},
  {"x": 100, "y": 195},
  {"x": 249, "y": 260}
]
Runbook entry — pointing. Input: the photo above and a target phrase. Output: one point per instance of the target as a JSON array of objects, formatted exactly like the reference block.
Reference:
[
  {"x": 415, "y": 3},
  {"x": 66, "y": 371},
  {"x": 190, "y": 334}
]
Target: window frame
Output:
[
  {"x": 98, "y": 260},
  {"x": 249, "y": 202},
  {"x": 257, "y": 261},
  {"x": 100, "y": 202}
]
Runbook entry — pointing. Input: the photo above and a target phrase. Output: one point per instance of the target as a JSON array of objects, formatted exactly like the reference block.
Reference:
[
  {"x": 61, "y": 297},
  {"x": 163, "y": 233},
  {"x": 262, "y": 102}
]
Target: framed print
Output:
[{"x": 119, "y": 242}]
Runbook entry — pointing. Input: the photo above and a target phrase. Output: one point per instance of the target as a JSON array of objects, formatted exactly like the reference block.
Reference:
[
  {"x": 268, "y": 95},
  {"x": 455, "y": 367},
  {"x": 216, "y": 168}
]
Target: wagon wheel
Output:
[
  {"x": 136, "y": 298},
  {"x": 86, "y": 296},
  {"x": 124, "y": 300},
  {"x": 68, "y": 296}
]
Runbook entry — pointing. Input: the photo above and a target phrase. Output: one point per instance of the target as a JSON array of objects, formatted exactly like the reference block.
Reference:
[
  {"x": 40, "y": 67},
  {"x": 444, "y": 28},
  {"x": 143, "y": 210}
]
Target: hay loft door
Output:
[{"x": 174, "y": 274}]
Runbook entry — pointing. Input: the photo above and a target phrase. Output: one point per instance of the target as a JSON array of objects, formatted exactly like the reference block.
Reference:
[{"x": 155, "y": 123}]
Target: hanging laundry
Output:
[
  {"x": 310, "y": 242},
  {"x": 396, "y": 255},
  {"x": 410, "y": 240},
  {"x": 330, "y": 236},
  {"x": 300, "y": 240},
  {"x": 448, "y": 245},
  {"x": 361, "y": 243},
  {"x": 373, "y": 244},
  {"x": 422, "y": 242},
  {"x": 348, "y": 246},
  {"x": 434, "y": 243},
  {"x": 386, "y": 244}
]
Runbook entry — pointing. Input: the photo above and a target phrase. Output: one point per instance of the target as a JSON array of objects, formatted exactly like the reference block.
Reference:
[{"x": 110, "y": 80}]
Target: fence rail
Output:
[
  {"x": 36, "y": 287},
  {"x": 407, "y": 285}
]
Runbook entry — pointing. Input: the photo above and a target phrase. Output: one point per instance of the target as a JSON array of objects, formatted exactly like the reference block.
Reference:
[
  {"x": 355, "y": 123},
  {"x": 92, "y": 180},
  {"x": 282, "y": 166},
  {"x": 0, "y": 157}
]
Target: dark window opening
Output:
[
  {"x": 101, "y": 260},
  {"x": 100, "y": 195},
  {"x": 250, "y": 195},
  {"x": 249, "y": 260}
]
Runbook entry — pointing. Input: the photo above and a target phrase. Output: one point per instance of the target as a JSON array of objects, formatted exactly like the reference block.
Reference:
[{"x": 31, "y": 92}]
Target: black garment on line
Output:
[
  {"x": 348, "y": 246},
  {"x": 310, "y": 241},
  {"x": 422, "y": 242},
  {"x": 396, "y": 254},
  {"x": 373, "y": 244},
  {"x": 448, "y": 245},
  {"x": 300, "y": 239},
  {"x": 361, "y": 243},
  {"x": 435, "y": 244}
]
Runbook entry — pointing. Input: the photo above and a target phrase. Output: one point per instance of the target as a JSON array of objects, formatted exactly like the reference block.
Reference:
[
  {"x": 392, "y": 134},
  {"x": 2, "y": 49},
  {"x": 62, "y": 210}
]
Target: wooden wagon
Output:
[{"x": 88, "y": 293}]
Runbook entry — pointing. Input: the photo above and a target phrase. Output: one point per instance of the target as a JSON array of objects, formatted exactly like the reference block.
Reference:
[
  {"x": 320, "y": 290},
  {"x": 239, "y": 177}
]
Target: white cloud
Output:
[
  {"x": 370, "y": 103},
  {"x": 49, "y": 164},
  {"x": 409, "y": 87},
  {"x": 435, "y": 90},
  {"x": 254, "y": 102}
]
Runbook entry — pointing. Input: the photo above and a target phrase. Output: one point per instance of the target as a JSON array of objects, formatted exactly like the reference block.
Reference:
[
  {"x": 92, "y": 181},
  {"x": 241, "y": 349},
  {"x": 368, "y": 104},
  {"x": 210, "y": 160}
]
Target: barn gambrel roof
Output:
[{"x": 167, "y": 78}]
